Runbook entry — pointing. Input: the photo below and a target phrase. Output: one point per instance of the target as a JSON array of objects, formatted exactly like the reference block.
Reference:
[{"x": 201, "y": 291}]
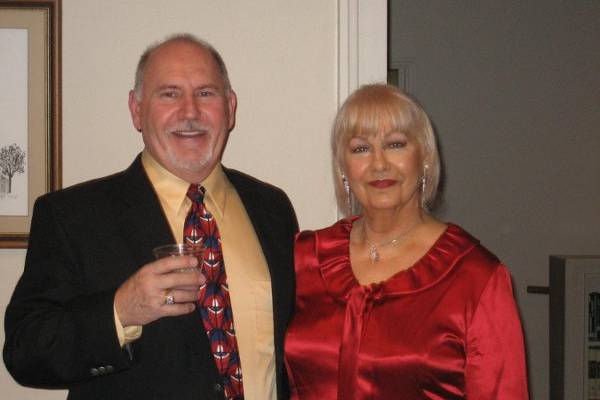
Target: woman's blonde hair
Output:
[{"x": 379, "y": 106}]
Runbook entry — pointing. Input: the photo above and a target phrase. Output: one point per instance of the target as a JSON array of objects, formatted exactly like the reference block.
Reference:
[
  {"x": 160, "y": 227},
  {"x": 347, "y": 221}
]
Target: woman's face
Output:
[{"x": 384, "y": 170}]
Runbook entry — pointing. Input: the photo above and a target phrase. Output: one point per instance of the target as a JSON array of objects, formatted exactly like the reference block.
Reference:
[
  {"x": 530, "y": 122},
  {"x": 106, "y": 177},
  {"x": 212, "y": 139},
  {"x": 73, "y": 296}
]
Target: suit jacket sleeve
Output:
[{"x": 57, "y": 332}]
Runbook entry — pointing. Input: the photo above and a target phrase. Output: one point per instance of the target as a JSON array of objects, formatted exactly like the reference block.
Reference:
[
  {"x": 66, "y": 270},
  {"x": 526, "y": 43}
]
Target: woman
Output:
[{"x": 392, "y": 303}]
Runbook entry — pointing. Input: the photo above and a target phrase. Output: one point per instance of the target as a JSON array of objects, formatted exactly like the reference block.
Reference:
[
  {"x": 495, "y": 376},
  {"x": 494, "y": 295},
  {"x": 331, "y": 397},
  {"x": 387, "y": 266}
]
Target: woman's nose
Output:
[{"x": 379, "y": 160}]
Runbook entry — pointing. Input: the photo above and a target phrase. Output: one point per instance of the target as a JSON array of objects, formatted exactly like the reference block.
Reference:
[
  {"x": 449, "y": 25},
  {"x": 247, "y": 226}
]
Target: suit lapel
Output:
[
  {"x": 259, "y": 216},
  {"x": 140, "y": 218}
]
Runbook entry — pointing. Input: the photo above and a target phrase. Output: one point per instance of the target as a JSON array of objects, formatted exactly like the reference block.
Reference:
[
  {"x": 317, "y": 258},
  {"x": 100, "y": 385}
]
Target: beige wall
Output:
[
  {"x": 284, "y": 110},
  {"x": 282, "y": 58}
]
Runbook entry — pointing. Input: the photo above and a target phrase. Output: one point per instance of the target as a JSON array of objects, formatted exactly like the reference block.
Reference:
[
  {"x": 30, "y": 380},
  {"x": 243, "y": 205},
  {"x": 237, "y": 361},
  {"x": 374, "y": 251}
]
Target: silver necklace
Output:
[{"x": 373, "y": 253}]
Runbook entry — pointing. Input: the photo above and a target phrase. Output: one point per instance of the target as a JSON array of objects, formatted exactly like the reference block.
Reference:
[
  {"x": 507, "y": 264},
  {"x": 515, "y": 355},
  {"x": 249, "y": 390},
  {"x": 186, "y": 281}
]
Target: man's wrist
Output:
[{"x": 126, "y": 334}]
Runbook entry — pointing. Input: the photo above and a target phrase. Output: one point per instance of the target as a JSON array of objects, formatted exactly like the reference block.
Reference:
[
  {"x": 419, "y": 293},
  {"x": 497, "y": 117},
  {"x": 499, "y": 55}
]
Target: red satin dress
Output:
[{"x": 446, "y": 328}]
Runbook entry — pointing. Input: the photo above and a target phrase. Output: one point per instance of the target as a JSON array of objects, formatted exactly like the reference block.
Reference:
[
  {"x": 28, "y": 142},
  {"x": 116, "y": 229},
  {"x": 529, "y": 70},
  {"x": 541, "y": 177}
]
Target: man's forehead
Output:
[
  {"x": 177, "y": 52},
  {"x": 176, "y": 66}
]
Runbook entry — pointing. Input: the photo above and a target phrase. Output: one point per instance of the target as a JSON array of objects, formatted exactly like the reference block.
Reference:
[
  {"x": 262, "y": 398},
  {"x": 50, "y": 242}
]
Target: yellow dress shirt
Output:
[{"x": 247, "y": 271}]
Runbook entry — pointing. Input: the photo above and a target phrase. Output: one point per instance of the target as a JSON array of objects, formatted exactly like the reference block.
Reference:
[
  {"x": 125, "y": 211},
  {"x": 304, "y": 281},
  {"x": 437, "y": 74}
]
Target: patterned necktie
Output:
[{"x": 213, "y": 302}]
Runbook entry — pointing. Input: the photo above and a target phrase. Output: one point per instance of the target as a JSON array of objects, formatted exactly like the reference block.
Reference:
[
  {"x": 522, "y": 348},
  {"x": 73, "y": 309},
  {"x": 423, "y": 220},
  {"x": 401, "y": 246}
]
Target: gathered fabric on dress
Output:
[{"x": 446, "y": 328}]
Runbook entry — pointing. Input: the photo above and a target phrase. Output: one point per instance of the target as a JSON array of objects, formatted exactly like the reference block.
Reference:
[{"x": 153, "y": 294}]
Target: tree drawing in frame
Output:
[{"x": 12, "y": 162}]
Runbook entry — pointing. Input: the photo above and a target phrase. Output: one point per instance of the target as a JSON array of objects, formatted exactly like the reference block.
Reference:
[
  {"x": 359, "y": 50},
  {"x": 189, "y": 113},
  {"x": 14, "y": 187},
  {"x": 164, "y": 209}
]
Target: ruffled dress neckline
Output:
[{"x": 339, "y": 279}]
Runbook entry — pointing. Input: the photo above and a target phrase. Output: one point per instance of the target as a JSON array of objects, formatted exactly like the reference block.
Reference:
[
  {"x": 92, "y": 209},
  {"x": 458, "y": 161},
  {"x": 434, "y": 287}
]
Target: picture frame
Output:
[{"x": 30, "y": 112}]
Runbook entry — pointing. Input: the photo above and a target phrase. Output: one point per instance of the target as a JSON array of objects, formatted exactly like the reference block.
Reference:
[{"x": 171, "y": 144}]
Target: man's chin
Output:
[{"x": 193, "y": 167}]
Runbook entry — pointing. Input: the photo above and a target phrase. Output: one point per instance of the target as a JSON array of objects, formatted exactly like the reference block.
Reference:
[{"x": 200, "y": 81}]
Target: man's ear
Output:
[
  {"x": 232, "y": 107},
  {"x": 134, "y": 110}
]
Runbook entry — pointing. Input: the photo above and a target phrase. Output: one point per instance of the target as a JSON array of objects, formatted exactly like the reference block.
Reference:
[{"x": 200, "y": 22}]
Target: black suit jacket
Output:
[{"x": 85, "y": 241}]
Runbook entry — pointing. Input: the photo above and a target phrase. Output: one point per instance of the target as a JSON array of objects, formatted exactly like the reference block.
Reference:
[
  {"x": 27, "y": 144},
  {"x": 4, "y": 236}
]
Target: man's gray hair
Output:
[{"x": 180, "y": 37}]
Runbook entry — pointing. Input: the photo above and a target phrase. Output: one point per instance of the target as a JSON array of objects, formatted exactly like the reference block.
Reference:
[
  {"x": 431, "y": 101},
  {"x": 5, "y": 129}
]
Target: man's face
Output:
[{"x": 184, "y": 112}]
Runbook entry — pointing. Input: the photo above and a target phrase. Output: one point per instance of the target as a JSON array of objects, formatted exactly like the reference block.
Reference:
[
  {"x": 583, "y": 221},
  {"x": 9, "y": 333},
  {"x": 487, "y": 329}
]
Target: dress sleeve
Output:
[
  {"x": 496, "y": 367},
  {"x": 304, "y": 258}
]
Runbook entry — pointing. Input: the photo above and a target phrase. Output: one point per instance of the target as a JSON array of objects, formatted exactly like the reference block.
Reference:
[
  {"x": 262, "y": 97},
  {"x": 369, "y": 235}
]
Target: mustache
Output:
[{"x": 188, "y": 125}]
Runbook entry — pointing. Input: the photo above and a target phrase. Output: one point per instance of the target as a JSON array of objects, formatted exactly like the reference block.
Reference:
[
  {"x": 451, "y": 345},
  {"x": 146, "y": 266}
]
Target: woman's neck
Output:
[{"x": 383, "y": 225}]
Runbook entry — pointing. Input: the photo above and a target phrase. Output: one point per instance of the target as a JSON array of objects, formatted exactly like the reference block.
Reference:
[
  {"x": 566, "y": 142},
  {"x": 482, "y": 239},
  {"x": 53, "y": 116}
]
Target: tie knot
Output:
[{"x": 196, "y": 193}]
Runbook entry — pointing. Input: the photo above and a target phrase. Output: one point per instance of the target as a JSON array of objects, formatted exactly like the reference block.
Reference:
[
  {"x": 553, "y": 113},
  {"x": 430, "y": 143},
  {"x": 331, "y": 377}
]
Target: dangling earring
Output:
[
  {"x": 424, "y": 185},
  {"x": 348, "y": 195}
]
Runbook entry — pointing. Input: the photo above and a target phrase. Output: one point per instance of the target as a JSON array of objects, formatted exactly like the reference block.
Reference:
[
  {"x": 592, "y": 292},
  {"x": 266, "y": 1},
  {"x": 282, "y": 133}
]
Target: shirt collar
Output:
[{"x": 172, "y": 190}]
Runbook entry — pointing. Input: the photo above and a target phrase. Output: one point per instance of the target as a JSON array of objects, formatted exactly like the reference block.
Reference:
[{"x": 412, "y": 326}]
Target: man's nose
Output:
[{"x": 190, "y": 108}]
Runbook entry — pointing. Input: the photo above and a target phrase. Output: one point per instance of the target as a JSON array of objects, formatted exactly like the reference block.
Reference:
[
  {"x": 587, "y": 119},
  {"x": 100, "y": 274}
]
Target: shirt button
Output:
[
  {"x": 94, "y": 372},
  {"x": 218, "y": 388}
]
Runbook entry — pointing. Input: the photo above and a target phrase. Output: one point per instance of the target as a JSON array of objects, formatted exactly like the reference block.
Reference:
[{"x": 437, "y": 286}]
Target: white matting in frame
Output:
[{"x": 13, "y": 122}]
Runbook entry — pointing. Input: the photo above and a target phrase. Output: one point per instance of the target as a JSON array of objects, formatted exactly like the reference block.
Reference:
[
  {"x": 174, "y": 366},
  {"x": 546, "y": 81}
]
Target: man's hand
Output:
[{"x": 141, "y": 298}]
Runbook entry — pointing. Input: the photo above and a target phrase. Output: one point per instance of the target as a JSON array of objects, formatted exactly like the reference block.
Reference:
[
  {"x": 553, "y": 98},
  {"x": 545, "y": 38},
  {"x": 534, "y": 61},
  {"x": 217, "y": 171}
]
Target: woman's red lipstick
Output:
[{"x": 382, "y": 183}]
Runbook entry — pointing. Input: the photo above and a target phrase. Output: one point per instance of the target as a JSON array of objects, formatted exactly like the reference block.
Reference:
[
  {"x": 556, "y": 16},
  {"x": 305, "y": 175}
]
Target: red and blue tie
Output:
[{"x": 213, "y": 302}]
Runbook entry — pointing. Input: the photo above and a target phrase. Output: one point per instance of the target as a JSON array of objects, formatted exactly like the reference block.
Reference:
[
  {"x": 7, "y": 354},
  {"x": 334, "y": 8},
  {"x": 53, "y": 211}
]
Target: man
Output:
[{"x": 94, "y": 313}]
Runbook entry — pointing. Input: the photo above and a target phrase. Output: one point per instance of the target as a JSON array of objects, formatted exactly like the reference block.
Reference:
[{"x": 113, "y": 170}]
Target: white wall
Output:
[{"x": 282, "y": 57}]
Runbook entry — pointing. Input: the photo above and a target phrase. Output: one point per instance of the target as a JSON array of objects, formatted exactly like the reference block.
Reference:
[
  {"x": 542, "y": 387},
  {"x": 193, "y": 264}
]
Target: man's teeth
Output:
[{"x": 187, "y": 133}]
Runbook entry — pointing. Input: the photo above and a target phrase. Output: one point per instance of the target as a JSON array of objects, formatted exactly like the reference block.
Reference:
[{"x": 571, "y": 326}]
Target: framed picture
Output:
[{"x": 30, "y": 113}]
